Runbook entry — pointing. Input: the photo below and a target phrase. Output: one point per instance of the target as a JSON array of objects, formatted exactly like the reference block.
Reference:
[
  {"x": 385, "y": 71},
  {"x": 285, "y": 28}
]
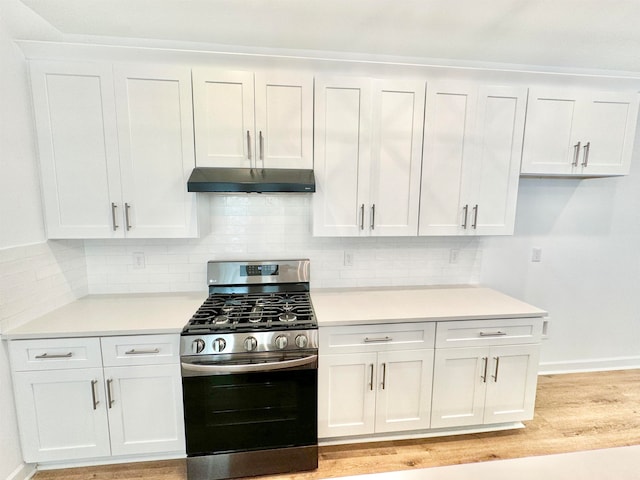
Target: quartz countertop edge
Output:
[
  {"x": 335, "y": 307},
  {"x": 167, "y": 313},
  {"x": 113, "y": 314}
]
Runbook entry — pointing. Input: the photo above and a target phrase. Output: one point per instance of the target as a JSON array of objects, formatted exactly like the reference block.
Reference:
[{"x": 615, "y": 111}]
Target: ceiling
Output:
[{"x": 590, "y": 34}]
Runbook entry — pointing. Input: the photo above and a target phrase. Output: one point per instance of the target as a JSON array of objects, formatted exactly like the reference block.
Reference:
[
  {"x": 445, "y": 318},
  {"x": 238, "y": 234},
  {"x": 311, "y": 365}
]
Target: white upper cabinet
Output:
[
  {"x": 253, "y": 121},
  {"x": 367, "y": 156},
  {"x": 115, "y": 150},
  {"x": 579, "y": 132},
  {"x": 471, "y": 160},
  {"x": 155, "y": 133},
  {"x": 78, "y": 147}
]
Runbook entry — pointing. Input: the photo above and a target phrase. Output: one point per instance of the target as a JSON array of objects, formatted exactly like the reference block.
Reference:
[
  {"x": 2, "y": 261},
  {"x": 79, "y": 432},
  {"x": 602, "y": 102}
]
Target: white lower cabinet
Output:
[
  {"x": 380, "y": 384},
  {"x": 70, "y": 407}
]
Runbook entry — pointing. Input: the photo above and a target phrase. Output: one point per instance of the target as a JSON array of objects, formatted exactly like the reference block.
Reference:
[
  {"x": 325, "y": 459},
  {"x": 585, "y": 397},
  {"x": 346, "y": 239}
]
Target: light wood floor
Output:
[{"x": 573, "y": 412}]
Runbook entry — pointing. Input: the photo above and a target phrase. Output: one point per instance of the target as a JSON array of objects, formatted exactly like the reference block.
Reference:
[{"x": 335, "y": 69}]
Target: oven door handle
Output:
[{"x": 251, "y": 367}]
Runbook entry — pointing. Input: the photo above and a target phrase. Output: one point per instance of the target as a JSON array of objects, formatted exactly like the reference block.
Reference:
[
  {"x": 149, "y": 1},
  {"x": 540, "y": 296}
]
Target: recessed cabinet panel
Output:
[
  {"x": 75, "y": 119},
  {"x": 448, "y": 122},
  {"x": 223, "y": 103},
  {"x": 396, "y": 157},
  {"x": 155, "y": 136},
  {"x": 342, "y": 161}
]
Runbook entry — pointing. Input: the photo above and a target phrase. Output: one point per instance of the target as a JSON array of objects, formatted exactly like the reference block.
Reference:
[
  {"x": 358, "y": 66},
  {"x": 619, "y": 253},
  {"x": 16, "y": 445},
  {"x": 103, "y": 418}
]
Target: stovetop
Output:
[{"x": 246, "y": 312}]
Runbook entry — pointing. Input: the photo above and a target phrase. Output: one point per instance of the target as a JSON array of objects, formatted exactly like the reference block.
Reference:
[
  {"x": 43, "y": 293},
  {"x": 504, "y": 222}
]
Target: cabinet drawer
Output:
[
  {"x": 475, "y": 333},
  {"x": 54, "y": 353},
  {"x": 369, "y": 338},
  {"x": 140, "y": 350}
]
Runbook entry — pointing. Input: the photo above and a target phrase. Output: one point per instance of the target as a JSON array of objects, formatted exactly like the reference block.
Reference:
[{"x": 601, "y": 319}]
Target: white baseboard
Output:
[
  {"x": 23, "y": 472},
  {"x": 594, "y": 365}
]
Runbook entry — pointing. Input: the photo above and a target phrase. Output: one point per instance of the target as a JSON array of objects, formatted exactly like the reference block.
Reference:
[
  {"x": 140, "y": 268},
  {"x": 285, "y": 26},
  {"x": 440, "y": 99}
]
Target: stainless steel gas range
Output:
[{"x": 249, "y": 372}]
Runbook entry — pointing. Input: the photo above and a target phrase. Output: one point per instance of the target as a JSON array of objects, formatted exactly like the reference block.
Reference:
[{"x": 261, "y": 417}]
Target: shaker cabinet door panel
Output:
[
  {"x": 145, "y": 409},
  {"x": 223, "y": 103},
  {"x": 342, "y": 158},
  {"x": 284, "y": 120},
  {"x": 61, "y": 414},
  {"x": 404, "y": 390},
  {"x": 346, "y": 394},
  {"x": 78, "y": 148},
  {"x": 155, "y": 124}
]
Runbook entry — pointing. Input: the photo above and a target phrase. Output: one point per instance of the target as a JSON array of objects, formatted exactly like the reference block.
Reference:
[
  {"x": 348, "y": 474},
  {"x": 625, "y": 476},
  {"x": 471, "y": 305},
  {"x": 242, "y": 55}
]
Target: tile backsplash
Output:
[
  {"x": 261, "y": 227},
  {"x": 38, "y": 278}
]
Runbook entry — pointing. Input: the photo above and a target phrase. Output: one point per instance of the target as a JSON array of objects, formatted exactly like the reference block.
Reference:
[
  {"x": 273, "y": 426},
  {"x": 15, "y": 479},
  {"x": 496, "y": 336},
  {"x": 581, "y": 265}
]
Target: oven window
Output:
[{"x": 251, "y": 411}]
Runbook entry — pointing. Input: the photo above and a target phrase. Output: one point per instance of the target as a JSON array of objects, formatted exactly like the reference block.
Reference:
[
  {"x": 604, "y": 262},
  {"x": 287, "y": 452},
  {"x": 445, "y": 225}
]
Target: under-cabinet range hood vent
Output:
[{"x": 259, "y": 180}]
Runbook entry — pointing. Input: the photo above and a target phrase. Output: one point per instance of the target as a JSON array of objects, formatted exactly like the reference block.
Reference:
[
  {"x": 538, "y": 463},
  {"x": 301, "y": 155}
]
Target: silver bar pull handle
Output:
[
  {"x": 373, "y": 216},
  {"x": 495, "y": 375},
  {"x": 55, "y": 355},
  {"x": 110, "y": 400},
  {"x": 499, "y": 333},
  {"x": 465, "y": 209},
  {"x": 585, "y": 156},
  {"x": 362, "y": 217},
  {"x": 384, "y": 375},
  {"x": 261, "y": 139},
  {"x": 94, "y": 394},
  {"x": 474, "y": 225},
  {"x": 377, "y": 340},
  {"x": 127, "y": 207},
  {"x": 371, "y": 377},
  {"x": 133, "y": 351},
  {"x": 248, "y": 145},
  {"x": 484, "y": 374},
  {"x": 576, "y": 154},
  {"x": 113, "y": 216}
]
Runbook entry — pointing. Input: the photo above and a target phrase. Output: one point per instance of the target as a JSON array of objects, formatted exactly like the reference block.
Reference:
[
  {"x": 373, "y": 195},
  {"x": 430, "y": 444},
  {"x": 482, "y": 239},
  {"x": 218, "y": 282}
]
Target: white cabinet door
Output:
[
  {"x": 579, "y": 132},
  {"x": 459, "y": 387},
  {"x": 145, "y": 409},
  {"x": 396, "y": 156},
  {"x": 511, "y": 383},
  {"x": 284, "y": 120},
  {"x": 155, "y": 128},
  {"x": 223, "y": 107},
  {"x": 498, "y": 148},
  {"x": 346, "y": 394},
  {"x": 78, "y": 148},
  {"x": 404, "y": 390},
  {"x": 62, "y": 414},
  {"x": 342, "y": 156},
  {"x": 367, "y": 156},
  {"x": 472, "y": 144},
  {"x": 263, "y": 124}
]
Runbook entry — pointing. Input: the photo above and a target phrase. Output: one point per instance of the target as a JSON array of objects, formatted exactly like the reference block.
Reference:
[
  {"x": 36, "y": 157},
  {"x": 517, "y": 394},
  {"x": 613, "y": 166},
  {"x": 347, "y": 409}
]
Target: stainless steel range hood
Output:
[{"x": 219, "y": 179}]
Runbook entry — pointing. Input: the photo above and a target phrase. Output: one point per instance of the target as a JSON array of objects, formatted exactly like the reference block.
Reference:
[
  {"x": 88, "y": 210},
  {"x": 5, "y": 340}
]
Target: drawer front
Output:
[
  {"x": 477, "y": 333},
  {"x": 370, "y": 338},
  {"x": 55, "y": 353},
  {"x": 140, "y": 350}
]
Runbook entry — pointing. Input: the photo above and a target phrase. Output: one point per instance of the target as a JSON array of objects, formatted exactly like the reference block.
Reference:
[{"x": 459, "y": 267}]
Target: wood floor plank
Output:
[{"x": 574, "y": 412}]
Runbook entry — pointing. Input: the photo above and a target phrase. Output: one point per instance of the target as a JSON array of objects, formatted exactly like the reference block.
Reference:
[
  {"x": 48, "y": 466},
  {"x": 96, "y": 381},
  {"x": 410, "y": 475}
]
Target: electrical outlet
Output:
[
  {"x": 454, "y": 255},
  {"x": 348, "y": 259},
  {"x": 536, "y": 254},
  {"x": 138, "y": 260}
]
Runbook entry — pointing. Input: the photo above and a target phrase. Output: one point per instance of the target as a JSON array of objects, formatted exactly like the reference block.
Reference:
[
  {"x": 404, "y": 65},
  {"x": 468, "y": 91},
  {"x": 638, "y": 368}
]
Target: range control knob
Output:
[
  {"x": 197, "y": 345},
  {"x": 281, "y": 342},
  {"x": 250, "y": 344},
  {"x": 219, "y": 344},
  {"x": 302, "y": 341}
]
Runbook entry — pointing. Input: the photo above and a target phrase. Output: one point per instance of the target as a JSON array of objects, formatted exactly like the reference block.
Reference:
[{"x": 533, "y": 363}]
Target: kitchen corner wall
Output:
[{"x": 273, "y": 226}]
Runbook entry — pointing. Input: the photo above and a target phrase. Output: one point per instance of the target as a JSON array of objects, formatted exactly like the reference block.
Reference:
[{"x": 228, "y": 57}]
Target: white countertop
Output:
[
  {"x": 135, "y": 314},
  {"x": 103, "y": 315},
  {"x": 385, "y": 305}
]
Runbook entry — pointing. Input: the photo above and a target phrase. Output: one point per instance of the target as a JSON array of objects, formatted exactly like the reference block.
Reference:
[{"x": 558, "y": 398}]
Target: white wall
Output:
[{"x": 589, "y": 276}]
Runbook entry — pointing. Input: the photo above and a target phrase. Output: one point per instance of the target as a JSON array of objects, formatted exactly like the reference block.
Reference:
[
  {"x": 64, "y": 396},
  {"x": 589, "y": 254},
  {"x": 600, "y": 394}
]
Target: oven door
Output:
[{"x": 239, "y": 403}]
